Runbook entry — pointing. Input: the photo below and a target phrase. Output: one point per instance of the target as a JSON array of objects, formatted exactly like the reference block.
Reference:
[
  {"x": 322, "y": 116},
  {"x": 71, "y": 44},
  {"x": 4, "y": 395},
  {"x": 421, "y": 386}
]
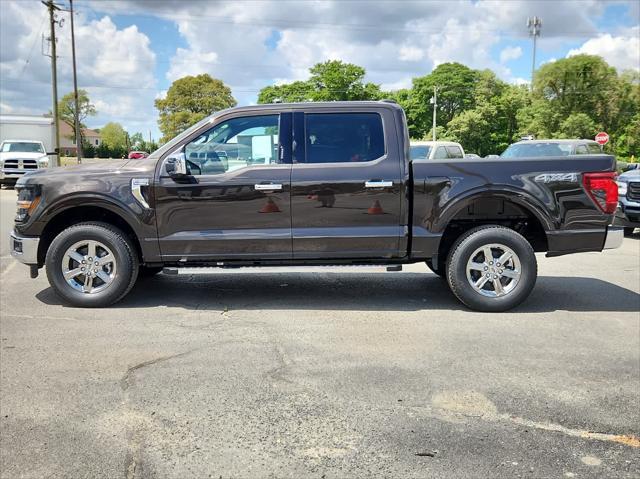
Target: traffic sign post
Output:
[{"x": 602, "y": 138}]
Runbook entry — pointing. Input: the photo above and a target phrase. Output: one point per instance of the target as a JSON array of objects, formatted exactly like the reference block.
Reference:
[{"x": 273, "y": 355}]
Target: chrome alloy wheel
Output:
[
  {"x": 494, "y": 270},
  {"x": 89, "y": 266}
]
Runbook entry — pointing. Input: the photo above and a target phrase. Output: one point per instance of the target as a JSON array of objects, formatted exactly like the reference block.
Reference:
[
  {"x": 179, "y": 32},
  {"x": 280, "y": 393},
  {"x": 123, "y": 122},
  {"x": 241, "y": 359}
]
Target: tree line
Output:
[
  {"x": 115, "y": 141},
  {"x": 574, "y": 97}
]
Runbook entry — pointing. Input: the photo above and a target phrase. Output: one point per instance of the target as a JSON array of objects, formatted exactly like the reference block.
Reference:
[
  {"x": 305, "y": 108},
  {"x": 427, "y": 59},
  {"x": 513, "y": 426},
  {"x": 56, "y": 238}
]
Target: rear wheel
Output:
[
  {"x": 492, "y": 268},
  {"x": 91, "y": 265}
]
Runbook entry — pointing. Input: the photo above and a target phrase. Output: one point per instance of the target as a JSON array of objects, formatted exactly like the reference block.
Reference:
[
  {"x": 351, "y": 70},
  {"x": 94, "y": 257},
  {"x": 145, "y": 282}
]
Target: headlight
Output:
[
  {"x": 28, "y": 200},
  {"x": 622, "y": 188},
  {"x": 43, "y": 162}
]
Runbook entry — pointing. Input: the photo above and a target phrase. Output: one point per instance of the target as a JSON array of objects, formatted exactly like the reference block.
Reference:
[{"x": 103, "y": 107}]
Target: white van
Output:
[{"x": 436, "y": 150}]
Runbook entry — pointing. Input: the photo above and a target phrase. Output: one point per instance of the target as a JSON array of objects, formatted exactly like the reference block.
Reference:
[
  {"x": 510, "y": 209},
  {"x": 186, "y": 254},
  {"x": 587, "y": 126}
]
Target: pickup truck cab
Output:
[
  {"x": 308, "y": 184},
  {"x": 18, "y": 157},
  {"x": 435, "y": 150}
]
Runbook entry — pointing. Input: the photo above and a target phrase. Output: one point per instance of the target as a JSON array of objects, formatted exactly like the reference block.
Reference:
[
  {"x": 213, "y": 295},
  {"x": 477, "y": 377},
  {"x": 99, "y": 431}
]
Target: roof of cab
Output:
[
  {"x": 315, "y": 104},
  {"x": 560, "y": 141}
]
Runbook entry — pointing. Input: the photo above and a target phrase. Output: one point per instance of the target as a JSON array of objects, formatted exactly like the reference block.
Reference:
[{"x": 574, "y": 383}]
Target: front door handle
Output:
[
  {"x": 378, "y": 184},
  {"x": 267, "y": 186}
]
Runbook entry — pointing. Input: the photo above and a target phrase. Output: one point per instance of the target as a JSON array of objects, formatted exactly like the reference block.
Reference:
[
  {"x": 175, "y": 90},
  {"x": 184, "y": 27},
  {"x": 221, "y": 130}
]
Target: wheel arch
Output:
[
  {"x": 90, "y": 210},
  {"x": 511, "y": 208}
]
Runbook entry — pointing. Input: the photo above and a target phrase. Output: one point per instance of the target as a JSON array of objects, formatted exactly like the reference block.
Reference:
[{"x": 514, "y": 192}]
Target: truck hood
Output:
[
  {"x": 89, "y": 173},
  {"x": 5, "y": 155}
]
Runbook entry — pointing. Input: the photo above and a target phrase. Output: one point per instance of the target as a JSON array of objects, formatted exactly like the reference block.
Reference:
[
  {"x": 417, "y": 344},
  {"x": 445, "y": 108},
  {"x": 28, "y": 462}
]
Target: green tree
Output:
[
  {"x": 67, "y": 111},
  {"x": 332, "y": 80},
  {"x": 189, "y": 100},
  {"x": 336, "y": 80},
  {"x": 297, "y": 91},
  {"x": 579, "y": 84},
  {"x": 456, "y": 88},
  {"x": 577, "y": 125},
  {"x": 136, "y": 141},
  {"x": 115, "y": 138}
]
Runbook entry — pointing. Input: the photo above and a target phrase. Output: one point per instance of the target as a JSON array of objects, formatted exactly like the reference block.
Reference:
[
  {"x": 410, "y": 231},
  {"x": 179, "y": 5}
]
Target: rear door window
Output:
[
  {"x": 594, "y": 149},
  {"x": 441, "y": 153},
  {"x": 581, "y": 150},
  {"x": 343, "y": 137},
  {"x": 454, "y": 152}
]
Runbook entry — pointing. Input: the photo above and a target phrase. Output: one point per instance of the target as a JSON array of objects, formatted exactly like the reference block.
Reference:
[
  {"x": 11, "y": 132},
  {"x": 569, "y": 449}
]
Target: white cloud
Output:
[
  {"x": 115, "y": 66},
  {"x": 622, "y": 51},
  {"x": 510, "y": 53},
  {"x": 410, "y": 53}
]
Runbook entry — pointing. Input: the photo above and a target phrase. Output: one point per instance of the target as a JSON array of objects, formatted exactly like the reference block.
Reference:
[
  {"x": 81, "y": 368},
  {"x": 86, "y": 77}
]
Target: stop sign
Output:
[{"x": 602, "y": 138}]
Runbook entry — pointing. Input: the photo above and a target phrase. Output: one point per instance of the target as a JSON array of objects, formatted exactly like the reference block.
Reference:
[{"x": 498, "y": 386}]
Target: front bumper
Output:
[
  {"x": 13, "y": 173},
  {"x": 614, "y": 238},
  {"x": 24, "y": 249}
]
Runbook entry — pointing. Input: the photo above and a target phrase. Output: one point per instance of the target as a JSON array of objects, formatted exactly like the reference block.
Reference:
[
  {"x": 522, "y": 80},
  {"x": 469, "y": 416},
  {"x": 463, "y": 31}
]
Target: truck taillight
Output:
[{"x": 603, "y": 190}]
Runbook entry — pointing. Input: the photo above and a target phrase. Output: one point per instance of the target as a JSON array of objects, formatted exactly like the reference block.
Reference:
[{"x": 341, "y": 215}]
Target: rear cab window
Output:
[
  {"x": 343, "y": 137},
  {"x": 454, "y": 152},
  {"x": 420, "y": 152}
]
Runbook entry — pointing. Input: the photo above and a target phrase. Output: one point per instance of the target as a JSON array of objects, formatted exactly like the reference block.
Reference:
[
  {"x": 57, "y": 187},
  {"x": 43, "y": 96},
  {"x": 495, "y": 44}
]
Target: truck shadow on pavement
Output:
[{"x": 354, "y": 292}]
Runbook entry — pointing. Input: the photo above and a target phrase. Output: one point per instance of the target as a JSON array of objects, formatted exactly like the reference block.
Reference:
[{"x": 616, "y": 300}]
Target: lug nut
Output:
[
  {"x": 81, "y": 269},
  {"x": 486, "y": 268},
  {"x": 96, "y": 263},
  {"x": 488, "y": 275},
  {"x": 490, "y": 262},
  {"x": 500, "y": 271},
  {"x": 498, "y": 265}
]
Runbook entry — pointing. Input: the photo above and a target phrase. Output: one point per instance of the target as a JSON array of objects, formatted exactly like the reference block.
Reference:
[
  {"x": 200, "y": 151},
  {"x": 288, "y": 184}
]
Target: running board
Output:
[{"x": 173, "y": 270}]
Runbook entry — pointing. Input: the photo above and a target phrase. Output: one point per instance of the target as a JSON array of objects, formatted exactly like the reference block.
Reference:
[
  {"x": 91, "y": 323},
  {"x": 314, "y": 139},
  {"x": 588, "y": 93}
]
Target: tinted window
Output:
[
  {"x": 531, "y": 150},
  {"x": 454, "y": 152},
  {"x": 233, "y": 144},
  {"x": 594, "y": 149},
  {"x": 21, "y": 147},
  {"x": 420, "y": 152},
  {"x": 581, "y": 150},
  {"x": 343, "y": 137},
  {"x": 441, "y": 153}
]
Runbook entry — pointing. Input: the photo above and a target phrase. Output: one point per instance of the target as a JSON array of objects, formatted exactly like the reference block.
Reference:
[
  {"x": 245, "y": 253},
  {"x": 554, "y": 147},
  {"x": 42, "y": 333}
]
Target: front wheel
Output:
[
  {"x": 91, "y": 265},
  {"x": 492, "y": 268}
]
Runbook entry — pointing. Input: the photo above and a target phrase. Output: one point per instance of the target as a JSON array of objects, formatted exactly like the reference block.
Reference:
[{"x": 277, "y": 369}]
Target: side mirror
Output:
[{"x": 176, "y": 165}]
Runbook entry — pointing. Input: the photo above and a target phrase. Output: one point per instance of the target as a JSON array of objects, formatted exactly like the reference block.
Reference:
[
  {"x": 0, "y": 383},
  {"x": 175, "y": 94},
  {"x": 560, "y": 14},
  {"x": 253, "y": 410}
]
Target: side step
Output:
[{"x": 174, "y": 270}]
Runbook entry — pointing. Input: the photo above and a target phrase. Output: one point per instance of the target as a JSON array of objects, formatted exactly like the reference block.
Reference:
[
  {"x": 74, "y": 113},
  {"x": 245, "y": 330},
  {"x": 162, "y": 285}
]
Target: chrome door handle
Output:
[
  {"x": 267, "y": 186},
  {"x": 378, "y": 184}
]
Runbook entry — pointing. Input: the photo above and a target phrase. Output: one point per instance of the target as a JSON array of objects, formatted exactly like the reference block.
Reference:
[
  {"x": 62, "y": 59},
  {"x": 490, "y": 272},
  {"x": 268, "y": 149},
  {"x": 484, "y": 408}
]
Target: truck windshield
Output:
[
  {"x": 419, "y": 152},
  {"x": 531, "y": 150},
  {"x": 21, "y": 147}
]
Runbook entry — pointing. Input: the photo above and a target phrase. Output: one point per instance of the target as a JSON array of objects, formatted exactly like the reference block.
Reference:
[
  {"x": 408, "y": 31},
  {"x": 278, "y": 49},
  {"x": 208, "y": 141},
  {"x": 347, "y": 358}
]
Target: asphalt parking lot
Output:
[{"x": 329, "y": 373}]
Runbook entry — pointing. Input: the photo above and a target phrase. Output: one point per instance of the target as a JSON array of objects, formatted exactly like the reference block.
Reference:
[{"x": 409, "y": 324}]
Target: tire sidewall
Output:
[
  {"x": 114, "y": 240},
  {"x": 457, "y": 269}
]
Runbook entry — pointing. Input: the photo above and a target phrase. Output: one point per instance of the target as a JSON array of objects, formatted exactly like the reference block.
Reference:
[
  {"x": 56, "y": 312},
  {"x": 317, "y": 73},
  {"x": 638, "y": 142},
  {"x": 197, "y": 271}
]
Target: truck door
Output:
[
  {"x": 346, "y": 184},
  {"x": 235, "y": 204}
]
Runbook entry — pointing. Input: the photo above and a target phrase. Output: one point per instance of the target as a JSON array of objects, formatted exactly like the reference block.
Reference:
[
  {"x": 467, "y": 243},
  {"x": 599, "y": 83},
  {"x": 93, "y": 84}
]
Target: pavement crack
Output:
[{"x": 127, "y": 379}]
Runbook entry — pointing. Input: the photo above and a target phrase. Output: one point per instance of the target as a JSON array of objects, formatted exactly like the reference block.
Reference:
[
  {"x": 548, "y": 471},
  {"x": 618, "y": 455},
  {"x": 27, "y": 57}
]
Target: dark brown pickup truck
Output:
[{"x": 309, "y": 184}]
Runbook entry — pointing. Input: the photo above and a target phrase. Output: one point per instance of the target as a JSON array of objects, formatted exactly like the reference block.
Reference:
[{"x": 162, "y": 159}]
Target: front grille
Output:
[
  {"x": 16, "y": 164},
  {"x": 633, "y": 191}
]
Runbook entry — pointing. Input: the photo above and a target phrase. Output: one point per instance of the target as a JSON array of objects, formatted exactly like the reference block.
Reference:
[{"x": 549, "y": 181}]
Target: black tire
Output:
[
  {"x": 440, "y": 271},
  {"x": 126, "y": 261},
  {"x": 469, "y": 243},
  {"x": 629, "y": 231},
  {"x": 149, "y": 271}
]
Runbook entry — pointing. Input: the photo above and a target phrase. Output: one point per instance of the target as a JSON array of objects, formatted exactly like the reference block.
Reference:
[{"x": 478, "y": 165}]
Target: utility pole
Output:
[
  {"x": 535, "y": 25},
  {"x": 54, "y": 76},
  {"x": 434, "y": 102},
  {"x": 75, "y": 89}
]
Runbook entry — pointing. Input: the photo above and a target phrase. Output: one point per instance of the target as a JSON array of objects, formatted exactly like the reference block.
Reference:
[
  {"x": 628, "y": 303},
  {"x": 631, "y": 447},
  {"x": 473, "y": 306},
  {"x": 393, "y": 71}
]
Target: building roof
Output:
[
  {"x": 66, "y": 130},
  {"x": 26, "y": 119}
]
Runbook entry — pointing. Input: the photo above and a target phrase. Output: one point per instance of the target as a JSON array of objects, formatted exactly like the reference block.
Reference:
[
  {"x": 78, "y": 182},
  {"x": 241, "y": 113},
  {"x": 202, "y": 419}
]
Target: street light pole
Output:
[
  {"x": 535, "y": 25},
  {"x": 75, "y": 89}
]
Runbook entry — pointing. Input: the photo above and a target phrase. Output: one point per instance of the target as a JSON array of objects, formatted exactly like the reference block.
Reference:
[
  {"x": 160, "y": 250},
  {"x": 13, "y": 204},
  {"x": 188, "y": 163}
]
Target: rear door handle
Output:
[
  {"x": 267, "y": 186},
  {"x": 378, "y": 184}
]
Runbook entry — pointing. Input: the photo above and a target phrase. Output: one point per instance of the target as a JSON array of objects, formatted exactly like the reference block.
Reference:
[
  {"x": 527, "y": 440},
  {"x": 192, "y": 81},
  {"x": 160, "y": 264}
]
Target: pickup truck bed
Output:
[{"x": 311, "y": 183}]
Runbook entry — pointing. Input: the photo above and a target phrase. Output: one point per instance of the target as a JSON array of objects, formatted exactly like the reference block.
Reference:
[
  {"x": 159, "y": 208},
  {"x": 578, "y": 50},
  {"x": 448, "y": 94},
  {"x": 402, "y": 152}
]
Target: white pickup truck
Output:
[
  {"x": 436, "y": 150},
  {"x": 18, "y": 157}
]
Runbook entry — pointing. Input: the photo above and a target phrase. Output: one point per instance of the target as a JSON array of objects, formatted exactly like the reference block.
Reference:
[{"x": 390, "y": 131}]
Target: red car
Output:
[{"x": 136, "y": 155}]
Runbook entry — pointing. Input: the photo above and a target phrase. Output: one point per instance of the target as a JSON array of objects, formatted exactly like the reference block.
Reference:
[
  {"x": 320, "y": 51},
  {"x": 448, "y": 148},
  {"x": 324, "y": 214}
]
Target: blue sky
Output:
[{"x": 130, "y": 51}]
